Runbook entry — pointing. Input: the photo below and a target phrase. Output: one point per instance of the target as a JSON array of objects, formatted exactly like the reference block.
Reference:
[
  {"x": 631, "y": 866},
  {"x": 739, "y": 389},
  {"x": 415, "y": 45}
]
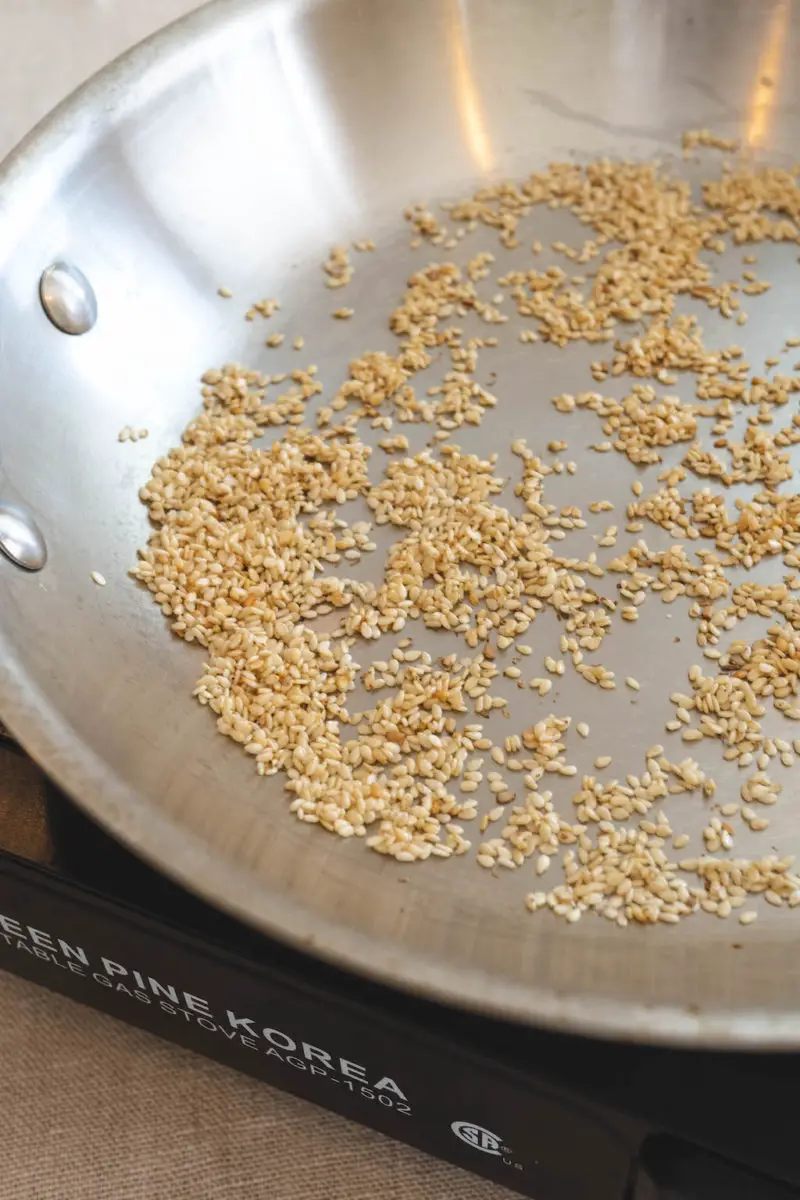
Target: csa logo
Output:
[{"x": 477, "y": 1137}]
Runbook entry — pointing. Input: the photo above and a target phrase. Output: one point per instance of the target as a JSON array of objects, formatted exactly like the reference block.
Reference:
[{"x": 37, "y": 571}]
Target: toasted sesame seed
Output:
[
  {"x": 543, "y": 686},
  {"x": 249, "y": 591}
]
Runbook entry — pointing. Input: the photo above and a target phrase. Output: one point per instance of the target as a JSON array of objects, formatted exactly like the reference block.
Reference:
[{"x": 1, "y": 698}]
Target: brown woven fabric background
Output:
[{"x": 93, "y": 1110}]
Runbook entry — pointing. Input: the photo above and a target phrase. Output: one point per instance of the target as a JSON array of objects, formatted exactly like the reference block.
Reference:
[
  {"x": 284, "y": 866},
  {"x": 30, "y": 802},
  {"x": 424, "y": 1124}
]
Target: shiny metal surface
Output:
[
  {"x": 235, "y": 149},
  {"x": 21, "y": 539},
  {"x": 68, "y": 298}
]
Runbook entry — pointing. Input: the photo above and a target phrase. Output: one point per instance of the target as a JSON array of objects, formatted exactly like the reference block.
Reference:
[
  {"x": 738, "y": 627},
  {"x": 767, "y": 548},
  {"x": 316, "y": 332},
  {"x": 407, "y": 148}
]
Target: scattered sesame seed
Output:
[
  {"x": 338, "y": 268},
  {"x": 129, "y": 434},
  {"x": 402, "y": 774},
  {"x": 97, "y": 578}
]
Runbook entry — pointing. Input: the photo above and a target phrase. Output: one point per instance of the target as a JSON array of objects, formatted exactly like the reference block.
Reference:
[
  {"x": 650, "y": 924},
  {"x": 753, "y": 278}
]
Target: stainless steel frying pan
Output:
[{"x": 234, "y": 149}]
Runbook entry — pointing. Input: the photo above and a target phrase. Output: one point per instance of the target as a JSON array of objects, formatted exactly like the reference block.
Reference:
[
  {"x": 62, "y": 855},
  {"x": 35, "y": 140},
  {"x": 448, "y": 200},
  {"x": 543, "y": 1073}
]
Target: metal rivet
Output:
[
  {"x": 68, "y": 298},
  {"x": 21, "y": 538}
]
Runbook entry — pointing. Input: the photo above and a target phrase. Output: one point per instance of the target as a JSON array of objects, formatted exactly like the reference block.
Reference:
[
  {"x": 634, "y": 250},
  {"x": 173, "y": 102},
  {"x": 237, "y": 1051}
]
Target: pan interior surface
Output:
[{"x": 232, "y": 151}]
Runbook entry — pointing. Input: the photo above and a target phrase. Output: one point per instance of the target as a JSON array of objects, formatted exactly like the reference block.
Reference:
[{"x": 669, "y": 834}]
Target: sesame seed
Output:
[
  {"x": 97, "y": 578},
  {"x": 251, "y": 544}
]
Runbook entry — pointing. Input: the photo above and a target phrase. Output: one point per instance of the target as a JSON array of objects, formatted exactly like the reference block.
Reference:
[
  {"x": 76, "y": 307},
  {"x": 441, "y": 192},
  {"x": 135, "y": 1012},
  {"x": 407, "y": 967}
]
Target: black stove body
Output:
[{"x": 553, "y": 1117}]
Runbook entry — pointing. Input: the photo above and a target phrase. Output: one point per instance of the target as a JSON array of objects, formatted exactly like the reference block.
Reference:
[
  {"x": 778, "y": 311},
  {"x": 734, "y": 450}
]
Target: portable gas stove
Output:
[{"x": 555, "y": 1118}]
